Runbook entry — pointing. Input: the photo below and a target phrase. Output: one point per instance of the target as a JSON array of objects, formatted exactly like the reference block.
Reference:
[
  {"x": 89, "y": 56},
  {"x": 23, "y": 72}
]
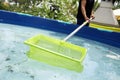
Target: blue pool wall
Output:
[{"x": 107, "y": 37}]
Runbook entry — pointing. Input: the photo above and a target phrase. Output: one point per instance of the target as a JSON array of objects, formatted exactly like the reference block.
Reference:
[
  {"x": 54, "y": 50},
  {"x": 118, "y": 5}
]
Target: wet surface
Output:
[{"x": 101, "y": 62}]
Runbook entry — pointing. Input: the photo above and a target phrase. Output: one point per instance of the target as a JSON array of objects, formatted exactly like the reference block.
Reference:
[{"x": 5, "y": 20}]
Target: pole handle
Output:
[{"x": 76, "y": 30}]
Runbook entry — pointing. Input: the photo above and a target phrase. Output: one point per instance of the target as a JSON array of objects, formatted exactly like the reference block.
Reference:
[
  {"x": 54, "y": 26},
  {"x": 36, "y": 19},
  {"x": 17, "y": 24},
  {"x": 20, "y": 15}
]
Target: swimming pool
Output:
[{"x": 101, "y": 62}]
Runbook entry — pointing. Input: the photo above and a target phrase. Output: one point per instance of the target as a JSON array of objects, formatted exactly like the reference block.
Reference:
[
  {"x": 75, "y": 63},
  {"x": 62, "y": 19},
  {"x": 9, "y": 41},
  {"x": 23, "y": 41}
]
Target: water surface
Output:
[{"x": 101, "y": 63}]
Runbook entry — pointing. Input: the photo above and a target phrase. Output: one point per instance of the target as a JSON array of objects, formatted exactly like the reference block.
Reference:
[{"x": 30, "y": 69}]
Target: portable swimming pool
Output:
[{"x": 101, "y": 62}]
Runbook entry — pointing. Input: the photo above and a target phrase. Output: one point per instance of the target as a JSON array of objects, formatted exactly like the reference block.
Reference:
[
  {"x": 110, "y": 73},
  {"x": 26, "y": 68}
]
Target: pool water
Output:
[{"x": 101, "y": 63}]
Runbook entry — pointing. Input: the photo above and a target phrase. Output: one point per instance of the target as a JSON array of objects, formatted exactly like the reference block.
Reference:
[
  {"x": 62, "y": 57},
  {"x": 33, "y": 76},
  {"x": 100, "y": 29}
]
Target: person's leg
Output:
[{"x": 81, "y": 21}]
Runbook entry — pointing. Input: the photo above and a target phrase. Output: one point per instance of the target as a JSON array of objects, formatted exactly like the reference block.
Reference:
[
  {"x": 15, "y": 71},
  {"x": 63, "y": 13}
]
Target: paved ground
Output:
[{"x": 104, "y": 15}]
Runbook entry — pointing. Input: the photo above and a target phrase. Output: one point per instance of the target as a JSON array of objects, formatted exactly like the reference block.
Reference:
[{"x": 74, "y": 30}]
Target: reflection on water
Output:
[{"x": 101, "y": 62}]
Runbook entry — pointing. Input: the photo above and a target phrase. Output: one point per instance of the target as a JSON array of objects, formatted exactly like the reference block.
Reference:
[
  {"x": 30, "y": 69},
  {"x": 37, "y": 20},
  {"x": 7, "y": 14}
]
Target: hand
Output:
[
  {"x": 87, "y": 19},
  {"x": 92, "y": 16}
]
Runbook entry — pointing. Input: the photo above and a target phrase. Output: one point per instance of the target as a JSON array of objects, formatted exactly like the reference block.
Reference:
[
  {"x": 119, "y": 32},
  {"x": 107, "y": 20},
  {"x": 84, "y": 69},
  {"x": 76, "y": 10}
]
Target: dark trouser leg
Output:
[{"x": 81, "y": 21}]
